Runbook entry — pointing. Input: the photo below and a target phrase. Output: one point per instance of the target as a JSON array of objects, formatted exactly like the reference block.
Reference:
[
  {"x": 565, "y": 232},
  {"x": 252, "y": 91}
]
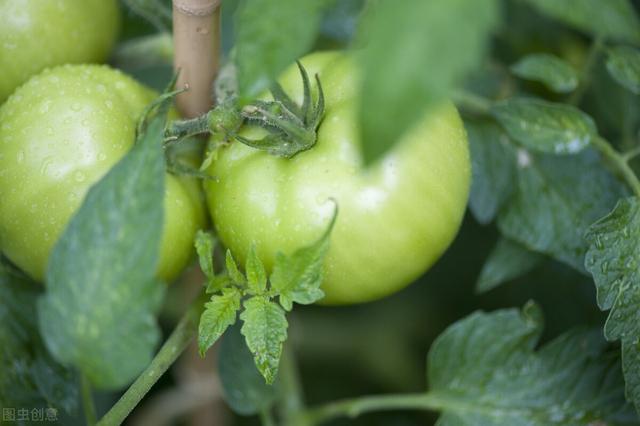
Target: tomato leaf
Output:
[
  {"x": 205, "y": 244},
  {"x": 545, "y": 126},
  {"x": 256, "y": 275},
  {"x": 297, "y": 278},
  {"x": 493, "y": 160},
  {"x": 483, "y": 371},
  {"x": 218, "y": 315},
  {"x": 507, "y": 260},
  {"x": 219, "y": 282},
  {"x": 413, "y": 59},
  {"x": 553, "y": 72},
  {"x": 244, "y": 389},
  {"x": 265, "y": 330},
  {"x": 623, "y": 63},
  {"x": 615, "y": 19},
  {"x": 97, "y": 313},
  {"x": 613, "y": 260},
  {"x": 30, "y": 376},
  {"x": 232, "y": 269},
  {"x": 556, "y": 201},
  {"x": 269, "y": 36}
]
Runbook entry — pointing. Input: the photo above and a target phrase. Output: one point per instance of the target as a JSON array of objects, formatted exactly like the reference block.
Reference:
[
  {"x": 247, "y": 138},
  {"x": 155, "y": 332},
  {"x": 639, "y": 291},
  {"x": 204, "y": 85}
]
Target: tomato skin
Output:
[
  {"x": 36, "y": 34},
  {"x": 395, "y": 218},
  {"x": 59, "y": 134}
]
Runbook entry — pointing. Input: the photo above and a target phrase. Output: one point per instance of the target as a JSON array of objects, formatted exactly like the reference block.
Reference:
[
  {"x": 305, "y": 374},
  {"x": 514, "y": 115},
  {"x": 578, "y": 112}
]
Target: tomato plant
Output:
[
  {"x": 35, "y": 35},
  {"x": 316, "y": 153},
  {"x": 395, "y": 217},
  {"x": 61, "y": 132}
]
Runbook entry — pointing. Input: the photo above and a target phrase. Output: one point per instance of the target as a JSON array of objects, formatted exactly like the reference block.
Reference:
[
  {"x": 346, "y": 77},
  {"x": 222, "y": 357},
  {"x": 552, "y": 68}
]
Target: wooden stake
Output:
[{"x": 196, "y": 38}]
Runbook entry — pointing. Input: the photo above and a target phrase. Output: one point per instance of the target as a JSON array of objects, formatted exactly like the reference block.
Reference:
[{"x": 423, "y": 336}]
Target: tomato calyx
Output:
[{"x": 291, "y": 128}]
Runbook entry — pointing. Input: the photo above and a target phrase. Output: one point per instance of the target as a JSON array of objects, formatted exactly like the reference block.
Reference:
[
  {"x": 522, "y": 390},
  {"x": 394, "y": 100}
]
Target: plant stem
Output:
[
  {"x": 184, "y": 128},
  {"x": 266, "y": 418},
  {"x": 87, "y": 400},
  {"x": 631, "y": 154},
  {"x": 292, "y": 402},
  {"x": 168, "y": 353},
  {"x": 619, "y": 161},
  {"x": 354, "y": 407},
  {"x": 472, "y": 102},
  {"x": 587, "y": 69}
]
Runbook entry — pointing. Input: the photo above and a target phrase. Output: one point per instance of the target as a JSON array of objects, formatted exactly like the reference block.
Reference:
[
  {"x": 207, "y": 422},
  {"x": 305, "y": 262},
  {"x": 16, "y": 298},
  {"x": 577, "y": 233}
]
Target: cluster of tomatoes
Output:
[{"x": 65, "y": 121}]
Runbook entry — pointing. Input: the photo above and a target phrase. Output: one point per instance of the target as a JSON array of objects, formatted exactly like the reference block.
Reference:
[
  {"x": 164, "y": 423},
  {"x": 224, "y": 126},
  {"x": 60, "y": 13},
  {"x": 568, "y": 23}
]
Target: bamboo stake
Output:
[{"x": 196, "y": 38}]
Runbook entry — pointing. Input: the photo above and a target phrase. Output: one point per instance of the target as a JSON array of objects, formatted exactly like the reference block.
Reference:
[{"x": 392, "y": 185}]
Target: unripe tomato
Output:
[
  {"x": 59, "y": 134},
  {"x": 35, "y": 34},
  {"x": 395, "y": 218}
]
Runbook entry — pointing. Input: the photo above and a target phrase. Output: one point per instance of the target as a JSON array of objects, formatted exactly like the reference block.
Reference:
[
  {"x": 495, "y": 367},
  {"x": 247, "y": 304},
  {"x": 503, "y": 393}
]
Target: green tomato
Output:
[
  {"x": 395, "y": 217},
  {"x": 35, "y": 34},
  {"x": 59, "y": 134}
]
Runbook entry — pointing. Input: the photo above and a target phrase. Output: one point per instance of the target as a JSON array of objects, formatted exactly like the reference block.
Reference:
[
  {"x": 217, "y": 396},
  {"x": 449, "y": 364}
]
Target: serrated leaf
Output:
[
  {"x": 98, "y": 311},
  {"x": 297, "y": 278},
  {"x": 623, "y": 63},
  {"x": 219, "y": 313},
  {"x": 493, "y": 160},
  {"x": 219, "y": 282},
  {"x": 232, "y": 269},
  {"x": 205, "y": 244},
  {"x": 631, "y": 371},
  {"x": 615, "y": 19},
  {"x": 507, "y": 260},
  {"x": 553, "y": 72},
  {"x": 420, "y": 42},
  {"x": 483, "y": 370},
  {"x": 30, "y": 376},
  {"x": 556, "y": 200},
  {"x": 269, "y": 36},
  {"x": 545, "y": 126},
  {"x": 614, "y": 261},
  {"x": 244, "y": 389},
  {"x": 265, "y": 330},
  {"x": 256, "y": 275}
]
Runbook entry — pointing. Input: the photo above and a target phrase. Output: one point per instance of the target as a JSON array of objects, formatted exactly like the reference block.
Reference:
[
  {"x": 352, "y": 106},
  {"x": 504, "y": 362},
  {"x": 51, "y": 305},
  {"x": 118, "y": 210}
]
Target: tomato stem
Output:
[
  {"x": 357, "y": 406},
  {"x": 177, "y": 342},
  {"x": 291, "y": 403},
  {"x": 472, "y": 102},
  {"x": 87, "y": 400},
  {"x": 619, "y": 161},
  {"x": 586, "y": 71}
]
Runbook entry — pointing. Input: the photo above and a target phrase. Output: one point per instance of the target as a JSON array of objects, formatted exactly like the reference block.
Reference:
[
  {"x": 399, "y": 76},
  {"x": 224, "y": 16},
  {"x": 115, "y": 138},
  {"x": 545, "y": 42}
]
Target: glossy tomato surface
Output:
[
  {"x": 59, "y": 134},
  {"x": 395, "y": 217},
  {"x": 35, "y": 34}
]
